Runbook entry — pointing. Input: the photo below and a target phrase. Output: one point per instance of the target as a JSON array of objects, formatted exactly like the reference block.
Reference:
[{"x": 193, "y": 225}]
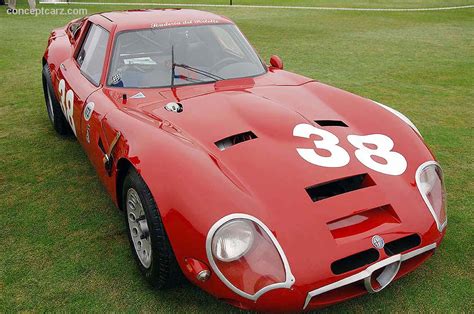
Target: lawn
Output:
[{"x": 64, "y": 245}]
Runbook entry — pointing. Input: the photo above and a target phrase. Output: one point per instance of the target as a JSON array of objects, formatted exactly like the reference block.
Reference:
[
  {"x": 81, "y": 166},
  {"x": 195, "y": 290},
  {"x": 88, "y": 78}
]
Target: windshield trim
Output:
[{"x": 116, "y": 36}]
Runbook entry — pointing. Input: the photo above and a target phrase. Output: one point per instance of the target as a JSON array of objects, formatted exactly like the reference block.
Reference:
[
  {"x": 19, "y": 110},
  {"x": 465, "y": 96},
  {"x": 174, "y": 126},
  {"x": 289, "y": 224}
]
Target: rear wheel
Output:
[
  {"x": 148, "y": 240},
  {"x": 55, "y": 114}
]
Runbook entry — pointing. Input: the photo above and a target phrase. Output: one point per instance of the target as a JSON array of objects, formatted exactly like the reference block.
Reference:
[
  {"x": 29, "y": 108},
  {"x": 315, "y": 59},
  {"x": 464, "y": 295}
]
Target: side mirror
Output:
[{"x": 276, "y": 62}]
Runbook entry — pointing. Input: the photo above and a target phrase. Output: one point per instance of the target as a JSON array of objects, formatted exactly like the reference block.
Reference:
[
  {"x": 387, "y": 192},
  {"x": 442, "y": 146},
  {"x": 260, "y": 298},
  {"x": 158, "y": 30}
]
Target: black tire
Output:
[
  {"x": 164, "y": 271},
  {"x": 55, "y": 114}
]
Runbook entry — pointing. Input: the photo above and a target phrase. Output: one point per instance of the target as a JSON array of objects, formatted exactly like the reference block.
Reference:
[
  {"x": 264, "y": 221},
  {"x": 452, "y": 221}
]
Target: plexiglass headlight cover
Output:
[
  {"x": 247, "y": 257},
  {"x": 430, "y": 183}
]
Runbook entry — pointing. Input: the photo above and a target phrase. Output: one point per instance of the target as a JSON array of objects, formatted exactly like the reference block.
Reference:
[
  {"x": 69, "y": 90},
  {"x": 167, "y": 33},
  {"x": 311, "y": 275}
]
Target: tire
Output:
[
  {"x": 159, "y": 267},
  {"x": 55, "y": 114}
]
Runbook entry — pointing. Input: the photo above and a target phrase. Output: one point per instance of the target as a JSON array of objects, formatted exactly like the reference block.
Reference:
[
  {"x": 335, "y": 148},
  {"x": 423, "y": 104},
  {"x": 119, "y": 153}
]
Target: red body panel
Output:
[{"x": 195, "y": 183}]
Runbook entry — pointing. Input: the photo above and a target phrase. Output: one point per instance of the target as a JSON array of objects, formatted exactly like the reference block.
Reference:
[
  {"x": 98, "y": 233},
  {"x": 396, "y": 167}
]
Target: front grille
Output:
[
  {"x": 351, "y": 286},
  {"x": 402, "y": 244},
  {"x": 354, "y": 261}
]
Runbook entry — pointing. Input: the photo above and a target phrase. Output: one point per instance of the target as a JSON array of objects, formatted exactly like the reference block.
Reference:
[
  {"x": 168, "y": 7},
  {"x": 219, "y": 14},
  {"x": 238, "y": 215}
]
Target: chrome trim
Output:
[
  {"x": 289, "y": 278},
  {"x": 391, "y": 269},
  {"x": 367, "y": 273},
  {"x": 419, "y": 251},
  {"x": 203, "y": 275},
  {"x": 427, "y": 202}
]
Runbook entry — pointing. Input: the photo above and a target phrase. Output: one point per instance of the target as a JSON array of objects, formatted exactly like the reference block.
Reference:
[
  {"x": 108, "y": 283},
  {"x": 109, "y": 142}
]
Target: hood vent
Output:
[
  {"x": 333, "y": 188},
  {"x": 234, "y": 140},
  {"x": 363, "y": 221},
  {"x": 331, "y": 123}
]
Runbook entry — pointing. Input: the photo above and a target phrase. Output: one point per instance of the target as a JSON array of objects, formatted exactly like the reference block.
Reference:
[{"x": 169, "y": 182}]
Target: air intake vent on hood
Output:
[
  {"x": 331, "y": 123},
  {"x": 329, "y": 189},
  {"x": 363, "y": 221},
  {"x": 235, "y": 139}
]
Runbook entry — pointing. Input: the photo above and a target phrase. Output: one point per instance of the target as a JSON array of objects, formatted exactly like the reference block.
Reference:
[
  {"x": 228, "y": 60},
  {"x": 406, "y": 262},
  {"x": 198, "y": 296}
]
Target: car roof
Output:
[{"x": 149, "y": 18}]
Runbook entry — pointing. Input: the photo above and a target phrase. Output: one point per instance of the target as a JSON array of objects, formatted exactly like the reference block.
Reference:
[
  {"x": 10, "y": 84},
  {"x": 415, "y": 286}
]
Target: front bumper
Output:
[
  {"x": 390, "y": 267},
  {"x": 303, "y": 297}
]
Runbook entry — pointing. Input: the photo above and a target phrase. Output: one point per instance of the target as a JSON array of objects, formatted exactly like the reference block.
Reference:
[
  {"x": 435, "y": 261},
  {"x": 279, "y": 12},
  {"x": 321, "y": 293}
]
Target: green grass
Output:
[
  {"x": 63, "y": 243},
  {"x": 310, "y": 3}
]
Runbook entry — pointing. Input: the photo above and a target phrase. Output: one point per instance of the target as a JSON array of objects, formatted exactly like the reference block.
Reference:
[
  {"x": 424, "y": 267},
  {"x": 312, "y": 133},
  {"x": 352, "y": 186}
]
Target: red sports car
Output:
[{"x": 267, "y": 189}]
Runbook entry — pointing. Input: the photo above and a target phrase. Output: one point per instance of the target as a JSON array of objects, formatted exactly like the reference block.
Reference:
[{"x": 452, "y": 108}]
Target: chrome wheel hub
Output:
[{"x": 138, "y": 227}]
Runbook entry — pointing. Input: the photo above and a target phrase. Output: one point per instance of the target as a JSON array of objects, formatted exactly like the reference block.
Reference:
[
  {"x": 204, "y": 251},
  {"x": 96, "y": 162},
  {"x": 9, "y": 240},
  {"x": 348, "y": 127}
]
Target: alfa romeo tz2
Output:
[{"x": 267, "y": 189}]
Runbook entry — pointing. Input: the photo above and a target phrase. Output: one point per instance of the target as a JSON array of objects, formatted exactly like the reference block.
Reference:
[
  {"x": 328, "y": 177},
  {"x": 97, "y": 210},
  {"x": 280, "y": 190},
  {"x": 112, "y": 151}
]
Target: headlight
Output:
[
  {"x": 247, "y": 257},
  {"x": 232, "y": 240},
  {"x": 429, "y": 179}
]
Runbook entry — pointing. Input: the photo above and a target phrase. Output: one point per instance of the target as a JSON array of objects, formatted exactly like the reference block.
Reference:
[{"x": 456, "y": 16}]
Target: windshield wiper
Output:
[
  {"x": 199, "y": 71},
  {"x": 190, "y": 68},
  {"x": 189, "y": 79}
]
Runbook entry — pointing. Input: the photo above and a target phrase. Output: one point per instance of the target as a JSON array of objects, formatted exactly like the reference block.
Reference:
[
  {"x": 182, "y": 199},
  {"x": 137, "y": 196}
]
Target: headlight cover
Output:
[
  {"x": 430, "y": 182},
  {"x": 247, "y": 257}
]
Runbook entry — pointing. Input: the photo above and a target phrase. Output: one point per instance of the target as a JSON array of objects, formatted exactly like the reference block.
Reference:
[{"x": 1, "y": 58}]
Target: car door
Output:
[{"x": 80, "y": 75}]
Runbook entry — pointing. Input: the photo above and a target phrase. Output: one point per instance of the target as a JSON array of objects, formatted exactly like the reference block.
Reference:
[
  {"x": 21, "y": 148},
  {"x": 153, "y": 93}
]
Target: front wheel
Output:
[{"x": 148, "y": 240}]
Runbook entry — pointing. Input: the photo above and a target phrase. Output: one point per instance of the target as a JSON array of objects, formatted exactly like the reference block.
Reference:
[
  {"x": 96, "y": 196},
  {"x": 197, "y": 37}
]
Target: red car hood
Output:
[
  {"x": 271, "y": 162},
  {"x": 271, "y": 113}
]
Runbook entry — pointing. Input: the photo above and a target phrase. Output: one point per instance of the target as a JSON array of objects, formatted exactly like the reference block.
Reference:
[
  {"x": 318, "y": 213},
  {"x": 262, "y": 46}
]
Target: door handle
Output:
[
  {"x": 107, "y": 159},
  {"x": 63, "y": 66}
]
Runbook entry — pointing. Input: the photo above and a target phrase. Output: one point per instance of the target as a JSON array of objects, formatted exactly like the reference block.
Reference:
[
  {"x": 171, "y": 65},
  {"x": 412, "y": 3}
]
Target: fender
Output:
[
  {"x": 180, "y": 216},
  {"x": 58, "y": 50}
]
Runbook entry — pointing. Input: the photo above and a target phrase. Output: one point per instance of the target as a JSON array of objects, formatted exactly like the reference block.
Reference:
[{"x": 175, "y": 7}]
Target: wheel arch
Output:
[{"x": 123, "y": 166}]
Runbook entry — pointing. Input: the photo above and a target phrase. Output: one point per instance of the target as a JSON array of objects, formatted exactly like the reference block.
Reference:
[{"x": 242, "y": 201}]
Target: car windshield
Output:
[{"x": 163, "y": 57}]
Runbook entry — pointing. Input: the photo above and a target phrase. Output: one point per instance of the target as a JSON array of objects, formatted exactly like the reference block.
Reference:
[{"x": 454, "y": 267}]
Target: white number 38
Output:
[{"x": 395, "y": 164}]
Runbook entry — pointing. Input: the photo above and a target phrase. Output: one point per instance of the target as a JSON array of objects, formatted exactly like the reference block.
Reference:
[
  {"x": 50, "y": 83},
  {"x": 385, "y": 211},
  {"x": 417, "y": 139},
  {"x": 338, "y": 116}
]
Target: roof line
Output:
[
  {"x": 266, "y": 6},
  {"x": 105, "y": 17}
]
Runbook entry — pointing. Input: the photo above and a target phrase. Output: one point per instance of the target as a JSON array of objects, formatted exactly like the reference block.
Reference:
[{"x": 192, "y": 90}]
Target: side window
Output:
[
  {"x": 75, "y": 27},
  {"x": 92, "y": 53}
]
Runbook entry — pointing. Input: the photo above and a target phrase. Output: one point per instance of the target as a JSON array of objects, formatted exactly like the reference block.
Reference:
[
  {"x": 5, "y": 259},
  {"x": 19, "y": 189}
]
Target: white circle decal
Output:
[{"x": 88, "y": 111}]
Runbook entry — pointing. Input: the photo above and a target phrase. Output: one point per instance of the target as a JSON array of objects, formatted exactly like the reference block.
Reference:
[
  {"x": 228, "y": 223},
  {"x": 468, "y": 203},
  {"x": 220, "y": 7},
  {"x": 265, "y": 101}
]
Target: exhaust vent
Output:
[
  {"x": 402, "y": 244},
  {"x": 331, "y": 123},
  {"x": 329, "y": 189},
  {"x": 234, "y": 140},
  {"x": 354, "y": 261}
]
